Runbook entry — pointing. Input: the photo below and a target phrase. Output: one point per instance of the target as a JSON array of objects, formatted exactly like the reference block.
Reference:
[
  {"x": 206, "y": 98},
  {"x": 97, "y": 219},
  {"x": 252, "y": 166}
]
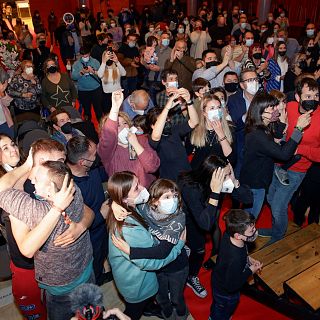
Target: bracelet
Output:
[
  {"x": 224, "y": 138},
  {"x": 299, "y": 128},
  {"x": 190, "y": 103},
  {"x": 215, "y": 196}
]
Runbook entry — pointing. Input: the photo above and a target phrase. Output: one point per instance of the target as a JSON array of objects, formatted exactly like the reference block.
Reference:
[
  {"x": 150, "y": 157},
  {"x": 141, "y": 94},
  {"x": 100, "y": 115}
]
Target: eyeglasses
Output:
[{"x": 250, "y": 80}]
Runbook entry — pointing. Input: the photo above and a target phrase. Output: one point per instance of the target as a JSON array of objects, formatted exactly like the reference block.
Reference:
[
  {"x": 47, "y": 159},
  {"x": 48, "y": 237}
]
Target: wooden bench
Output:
[
  {"x": 289, "y": 265},
  {"x": 307, "y": 286},
  {"x": 288, "y": 244}
]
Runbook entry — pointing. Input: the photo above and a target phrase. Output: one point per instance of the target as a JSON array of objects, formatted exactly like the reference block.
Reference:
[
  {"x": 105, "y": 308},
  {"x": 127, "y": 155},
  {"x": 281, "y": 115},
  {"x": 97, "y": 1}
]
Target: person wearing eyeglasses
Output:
[{"x": 238, "y": 106}]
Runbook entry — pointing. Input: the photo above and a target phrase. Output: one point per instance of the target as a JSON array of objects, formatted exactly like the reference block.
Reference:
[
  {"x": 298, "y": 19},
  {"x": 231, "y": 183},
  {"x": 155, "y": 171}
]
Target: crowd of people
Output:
[{"x": 191, "y": 111}]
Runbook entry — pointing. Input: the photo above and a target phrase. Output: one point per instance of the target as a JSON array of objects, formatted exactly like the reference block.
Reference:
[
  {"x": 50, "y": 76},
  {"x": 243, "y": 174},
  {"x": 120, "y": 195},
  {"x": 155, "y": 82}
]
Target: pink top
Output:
[{"x": 115, "y": 158}]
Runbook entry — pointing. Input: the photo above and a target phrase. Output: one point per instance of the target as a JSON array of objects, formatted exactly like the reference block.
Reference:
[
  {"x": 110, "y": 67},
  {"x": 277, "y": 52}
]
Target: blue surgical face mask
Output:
[
  {"x": 168, "y": 206},
  {"x": 165, "y": 42}
]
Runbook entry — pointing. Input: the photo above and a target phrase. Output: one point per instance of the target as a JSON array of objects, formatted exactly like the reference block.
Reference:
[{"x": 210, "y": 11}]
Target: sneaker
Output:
[
  {"x": 282, "y": 176},
  {"x": 264, "y": 233},
  {"x": 209, "y": 264},
  {"x": 197, "y": 287}
]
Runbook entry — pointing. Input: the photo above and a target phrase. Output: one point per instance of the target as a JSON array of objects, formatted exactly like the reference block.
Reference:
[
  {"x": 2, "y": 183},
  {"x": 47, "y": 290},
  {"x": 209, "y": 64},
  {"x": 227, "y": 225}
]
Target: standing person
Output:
[
  {"x": 166, "y": 222},
  {"x": 52, "y": 26},
  {"x": 122, "y": 150},
  {"x": 100, "y": 47},
  {"x": 85, "y": 29},
  {"x": 278, "y": 67},
  {"x": 140, "y": 284},
  {"x": 129, "y": 57},
  {"x": 6, "y": 122},
  {"x": 116, "y": 32},
  {"x": 212, "y": 135},
  {"x": 234, "y": 266},
  {"x": 58, "y": 89},
  {"x": 260, "y": 149},
  {"x": 110, "y": 73},
  {"x": 37, "y": 23},
  {"x": 40, "y": 54},
  {"x": 200, "y": 190},
  {"x": 88, "y": 176},
  {"x": 84, "y": 71},
  {"x": 199, "y": 40},
  {"x": 25, "y": 88},
  {"x": 279, "y": 195}
]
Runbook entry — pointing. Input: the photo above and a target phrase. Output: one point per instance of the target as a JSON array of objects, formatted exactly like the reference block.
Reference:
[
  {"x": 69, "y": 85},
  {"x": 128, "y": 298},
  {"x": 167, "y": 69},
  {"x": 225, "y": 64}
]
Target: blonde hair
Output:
[
  {"x": 122, "y": 114},
  {"x": 115, "y": 74},
  {"x": 199, "y": 135}
]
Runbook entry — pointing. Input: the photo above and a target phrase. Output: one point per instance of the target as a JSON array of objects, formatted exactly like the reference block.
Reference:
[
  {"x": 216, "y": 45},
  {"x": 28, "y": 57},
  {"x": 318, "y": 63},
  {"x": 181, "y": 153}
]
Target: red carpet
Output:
[{"x": 248, "y": 309}]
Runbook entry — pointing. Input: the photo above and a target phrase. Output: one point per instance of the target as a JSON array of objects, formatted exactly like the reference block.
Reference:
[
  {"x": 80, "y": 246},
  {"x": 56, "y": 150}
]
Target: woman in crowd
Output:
[
  {"x": 110, "y": 72},
  {"x": 121, "y": 149},
  {"x": 116, "y": 32},
  {"x": 58, "y": 89},
  {"x": 6, "y": 122},
  {"x": 212, "y": 135},
  {"x": 200, "y": 189},
  {"x": 278, "y": 67},
  {"x": 311, "y": 49},
  {"x": 25, "y": 88},
  {"x": 140, "y": 284},
  {"x": 261, "y": 151},
  {"x": 199, "y": 39},
  {"x": 257, "y": 63},
  {"x": 166, "y": 221},
  {"x": 167, "y": 139}
]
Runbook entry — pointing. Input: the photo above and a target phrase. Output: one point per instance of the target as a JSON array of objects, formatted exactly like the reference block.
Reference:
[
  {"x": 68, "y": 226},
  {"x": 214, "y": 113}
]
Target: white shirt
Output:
[
  {"x": 111, "y": 86},
  {"x": 284, "y": 69}
]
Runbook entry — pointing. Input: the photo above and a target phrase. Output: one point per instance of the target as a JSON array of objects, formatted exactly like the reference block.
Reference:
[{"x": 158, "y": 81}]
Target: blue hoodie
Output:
[{"x": 135, "y": 279}]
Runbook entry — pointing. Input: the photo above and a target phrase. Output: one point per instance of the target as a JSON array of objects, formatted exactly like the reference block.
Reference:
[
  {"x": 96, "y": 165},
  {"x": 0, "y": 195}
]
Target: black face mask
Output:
[
  {"x": 52, "y": 69},
  {"x": 310, "y": 49},
  {"x": 167, "y": 130},
  {"x": 282, "y": 53},
  {"x": 211, "y": 64},
  {"x": 231, "y": 87},
  {"x": 257, "y": 55},
  {"x": 42, "y": 42},
  {"x": 29, "y": 188},
  {"x": 253, "y": 237},
  {"x": 66, "y": 128},
  {"x": 309, "y": 104},
  {"x": 109, "y": 63},
  {"x": 303, "y": 64}
]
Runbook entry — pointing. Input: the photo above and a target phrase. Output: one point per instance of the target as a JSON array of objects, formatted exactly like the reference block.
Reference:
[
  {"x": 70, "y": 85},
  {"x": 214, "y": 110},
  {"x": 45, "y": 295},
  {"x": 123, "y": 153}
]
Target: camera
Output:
[{"x": 110, "y": 49}]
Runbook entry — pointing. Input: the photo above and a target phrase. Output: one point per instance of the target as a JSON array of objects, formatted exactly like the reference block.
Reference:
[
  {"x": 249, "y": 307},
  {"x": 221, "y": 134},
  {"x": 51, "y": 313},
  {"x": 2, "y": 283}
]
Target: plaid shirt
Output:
[{"x": 162, "y": 100}]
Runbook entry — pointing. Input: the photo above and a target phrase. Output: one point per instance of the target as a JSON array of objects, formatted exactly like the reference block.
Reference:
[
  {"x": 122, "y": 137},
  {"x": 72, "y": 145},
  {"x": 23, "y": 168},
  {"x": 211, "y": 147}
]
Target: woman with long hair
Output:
[
  {"x": 200, "y": 190},
  {"x": 110, "y": 72},
  {"x": 134, "y": 278},
  {"x": 166, "y": 221},
  {"x": 261, "y": 151},
  {"x": 212, "y": 135},
  {"x": 278, "y": 67}
]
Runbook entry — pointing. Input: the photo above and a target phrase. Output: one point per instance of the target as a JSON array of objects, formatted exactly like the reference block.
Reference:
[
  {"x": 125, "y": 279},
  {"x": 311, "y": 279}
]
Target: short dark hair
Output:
[
  {"x": 77, "y": 147},
  {"x": 199, "y": 83},
  {"x": 152, "y": 117},
  {"x": 244, "y": 71},
  {"x": 101, "y": 36},
  {"x": 220, "y": 89},
  {"x": 237, "y": 221},
  {"x": 205, "y": 52},
  {"x": 140, "y": 121},
  {"x": 53, "y": 115},
  {"x": 57, "y": 171},
  {"x": 85, "y": 50},
  {"x": 167, "y": 72},
  {"x": 309, "y": 82},
  {"x": 230, "y": 73}
]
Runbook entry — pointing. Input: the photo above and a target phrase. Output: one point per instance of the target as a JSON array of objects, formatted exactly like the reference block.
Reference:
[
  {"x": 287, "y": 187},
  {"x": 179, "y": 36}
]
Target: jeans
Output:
[
  {"x": 59, "y": 307},
  {"x": 279, "y": 197},
  {"x": 174, "y": 282},
  {"x": 223, "y": 306},
  {"x": 7, "y": 130},
  {"x": 258, "y": 199}
]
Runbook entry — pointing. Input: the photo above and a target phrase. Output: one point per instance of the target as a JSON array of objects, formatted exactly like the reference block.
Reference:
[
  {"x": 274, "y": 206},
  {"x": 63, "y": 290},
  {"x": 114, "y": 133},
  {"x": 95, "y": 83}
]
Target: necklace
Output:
[{"x": 211, "y": 133}]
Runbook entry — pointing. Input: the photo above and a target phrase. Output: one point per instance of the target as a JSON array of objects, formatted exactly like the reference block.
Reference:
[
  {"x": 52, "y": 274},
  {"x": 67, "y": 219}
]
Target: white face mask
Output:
[
  {"x": 270, "y": 41},
  {"x": 249, "y": 42},
  {"x": 310, "y": 32},
  {"x": 139, "y": 112},
  {"x": 143, "y": 197},
  {"x": 172, "y": 84},
  {"x": 29, "y": 70},
  {"x": 281, "y": 39},
  {"x": 168, "y": 206},
  {"x": 215, "y": 114},
  {"x": 252, "y": 87},
  {"x": 151, "y": 29},
  {"x": 123, "y": 136},
  {"x": 227, "y": 186},
  {"x": 223, "y": 103},
  {"x": 181, "y": 30},
  {"x": 85, "y": 59},
  {"x": 112, "y": 25},
  {"x": 243, "y": 25}
]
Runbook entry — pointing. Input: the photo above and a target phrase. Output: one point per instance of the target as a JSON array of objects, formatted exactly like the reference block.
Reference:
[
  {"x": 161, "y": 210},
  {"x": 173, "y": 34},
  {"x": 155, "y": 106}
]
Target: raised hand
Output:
[
  {"x": 62, "y": 199},
  {"x": 217, "y": 179},
  {"x": 117, "y": 99}
]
